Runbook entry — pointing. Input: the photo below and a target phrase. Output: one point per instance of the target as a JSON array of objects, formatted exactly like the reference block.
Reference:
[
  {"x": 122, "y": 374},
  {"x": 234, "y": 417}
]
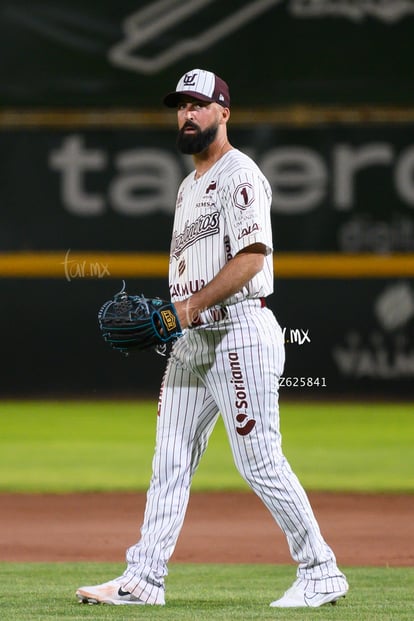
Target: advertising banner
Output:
[
  {"x": 348, "y": 337},
  {"x": 343, "y": 338},
  {"x": 272, "y": 52},
  {"x": 336, "y": 188}
]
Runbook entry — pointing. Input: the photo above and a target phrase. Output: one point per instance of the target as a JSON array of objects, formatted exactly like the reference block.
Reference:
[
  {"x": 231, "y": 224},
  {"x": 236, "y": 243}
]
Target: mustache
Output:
[{"x": 189, "y": 125}]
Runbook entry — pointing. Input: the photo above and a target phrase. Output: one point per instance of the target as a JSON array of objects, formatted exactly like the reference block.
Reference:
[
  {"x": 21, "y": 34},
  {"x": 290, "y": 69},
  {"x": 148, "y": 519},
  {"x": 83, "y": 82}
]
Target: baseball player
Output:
[{"x": 228, "y": 361}]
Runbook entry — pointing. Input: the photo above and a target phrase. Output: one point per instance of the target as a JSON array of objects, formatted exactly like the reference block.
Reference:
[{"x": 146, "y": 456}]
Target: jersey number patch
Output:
[{"x": 243, "y": 195}]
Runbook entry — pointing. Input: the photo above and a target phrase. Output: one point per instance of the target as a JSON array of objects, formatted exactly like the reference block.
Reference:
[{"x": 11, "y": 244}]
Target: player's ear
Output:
[{"x": 225, "y": 114}]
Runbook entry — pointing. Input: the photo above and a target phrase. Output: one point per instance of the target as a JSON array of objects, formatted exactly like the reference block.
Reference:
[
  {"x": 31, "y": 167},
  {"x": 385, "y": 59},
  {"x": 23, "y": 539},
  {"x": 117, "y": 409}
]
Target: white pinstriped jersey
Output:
[{"x": 216, "y": 216}]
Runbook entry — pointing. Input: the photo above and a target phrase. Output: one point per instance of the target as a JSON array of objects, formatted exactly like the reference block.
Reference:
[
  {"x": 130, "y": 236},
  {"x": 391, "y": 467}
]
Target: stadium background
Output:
[
  {"x": 323, "y": 99},
  {"x": 89, "y": 174}
]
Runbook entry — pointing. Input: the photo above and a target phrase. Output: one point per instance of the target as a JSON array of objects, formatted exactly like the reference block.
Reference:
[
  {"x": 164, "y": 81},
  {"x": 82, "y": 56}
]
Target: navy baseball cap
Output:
[{"x": 202, "y": 85}]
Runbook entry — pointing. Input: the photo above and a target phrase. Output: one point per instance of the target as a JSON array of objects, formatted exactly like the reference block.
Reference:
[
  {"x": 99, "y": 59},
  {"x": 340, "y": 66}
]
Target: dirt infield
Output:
[{"x": 363, "y": 529}]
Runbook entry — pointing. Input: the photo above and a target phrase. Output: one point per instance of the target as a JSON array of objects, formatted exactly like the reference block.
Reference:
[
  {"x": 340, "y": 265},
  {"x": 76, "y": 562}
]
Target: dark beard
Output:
[{"x": 195, "y": 143}]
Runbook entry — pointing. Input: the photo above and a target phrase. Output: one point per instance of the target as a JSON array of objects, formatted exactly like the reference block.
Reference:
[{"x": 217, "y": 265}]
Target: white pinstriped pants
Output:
[{"x": 231, "y": 367}]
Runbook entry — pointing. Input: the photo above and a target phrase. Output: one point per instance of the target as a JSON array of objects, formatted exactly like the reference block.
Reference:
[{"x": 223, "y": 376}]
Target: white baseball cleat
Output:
[
  {"x": 297, "y": 597},
  {"x": 108, "y": 593}
]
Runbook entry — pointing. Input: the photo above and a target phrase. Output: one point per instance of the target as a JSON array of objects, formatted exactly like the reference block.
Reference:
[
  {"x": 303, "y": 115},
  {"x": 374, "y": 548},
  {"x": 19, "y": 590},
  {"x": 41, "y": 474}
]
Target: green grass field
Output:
[
  {"x": 83, "y": 446},
  {"x": 43, "y": 592}
]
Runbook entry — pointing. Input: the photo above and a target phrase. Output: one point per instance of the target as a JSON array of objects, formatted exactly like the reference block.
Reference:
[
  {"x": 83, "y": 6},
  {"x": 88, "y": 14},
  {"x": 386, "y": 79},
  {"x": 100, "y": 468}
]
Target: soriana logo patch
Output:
[{"x": 244, "y": 424}]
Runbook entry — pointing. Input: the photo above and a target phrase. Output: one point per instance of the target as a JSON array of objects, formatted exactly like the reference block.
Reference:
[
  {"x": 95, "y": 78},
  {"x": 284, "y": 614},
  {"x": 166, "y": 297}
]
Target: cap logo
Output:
[
  {"x": 202, "y": 85},
  {"x": 189, "y": 79}
]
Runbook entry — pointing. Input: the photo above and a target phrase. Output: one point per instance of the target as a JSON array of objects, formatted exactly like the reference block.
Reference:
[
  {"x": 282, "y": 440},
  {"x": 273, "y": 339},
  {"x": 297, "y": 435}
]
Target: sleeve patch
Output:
[{"x": 243, "y": 196}]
